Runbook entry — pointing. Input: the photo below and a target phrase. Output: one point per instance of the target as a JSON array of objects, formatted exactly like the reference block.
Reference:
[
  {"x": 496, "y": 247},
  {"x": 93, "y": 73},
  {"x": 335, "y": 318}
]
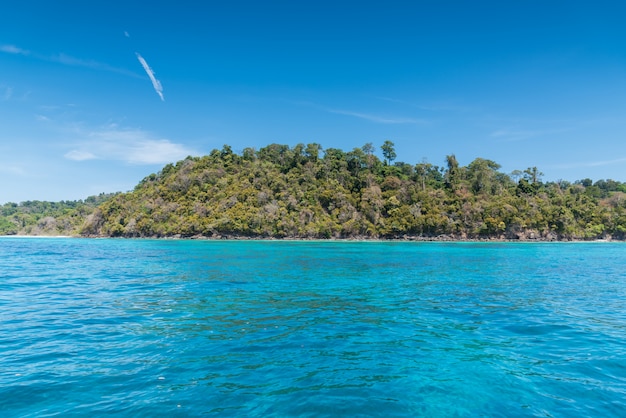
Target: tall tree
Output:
[
  {"x": 388, "y": 151},
  {"x": 481, "y": 173},
  {"x": 453, "y": 172},
  {"x": 533, "y": 175},
  {"x": 312, "y": 151}
]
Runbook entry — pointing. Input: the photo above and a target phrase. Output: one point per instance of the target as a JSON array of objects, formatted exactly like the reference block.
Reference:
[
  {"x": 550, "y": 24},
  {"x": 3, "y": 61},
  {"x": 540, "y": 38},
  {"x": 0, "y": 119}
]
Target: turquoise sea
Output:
[{"x": 94, "y": 327}]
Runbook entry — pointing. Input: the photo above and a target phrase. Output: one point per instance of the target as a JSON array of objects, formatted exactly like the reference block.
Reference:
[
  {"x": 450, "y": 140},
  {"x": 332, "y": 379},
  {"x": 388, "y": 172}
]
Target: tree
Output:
[
  {"x": 356, "y": 160},
  {"x": 515, "y": 175},
  {"x": 294, "y": 192},
  {"x": 388, "y": 151},
  {"x": 481, "y": 173},
  {"x": 312, "y": 151},
  {"x": 453, "y": 172},
  {"x": 276, "y": 154},
  {"x": 369, "y": 149},
  {"x": 249, "y": 154},
  {"x": 533, "y": 175}
]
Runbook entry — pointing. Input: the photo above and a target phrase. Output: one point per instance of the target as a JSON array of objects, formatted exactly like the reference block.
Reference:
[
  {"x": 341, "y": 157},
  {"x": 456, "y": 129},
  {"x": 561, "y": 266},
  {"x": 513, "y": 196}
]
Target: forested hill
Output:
[
  {"x": 38, "y": 217},
  {"x": 307, "y": 192}
]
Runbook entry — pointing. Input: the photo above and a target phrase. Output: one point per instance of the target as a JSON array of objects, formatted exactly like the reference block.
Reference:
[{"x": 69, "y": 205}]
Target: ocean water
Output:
[{"x": 94, "y": 327}]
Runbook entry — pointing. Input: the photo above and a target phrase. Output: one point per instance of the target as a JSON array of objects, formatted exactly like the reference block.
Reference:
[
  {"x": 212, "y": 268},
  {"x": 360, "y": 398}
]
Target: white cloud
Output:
[
  {"x": 66, "y": 60},
  {"x": 78, "y": 62},
  {"x": 133, "y": 146},
  {"x": 512, "y": 135},
  {"x": 12, "y": 49},
  {"x": 78, "y": 155},
  {"x": 155, "y": 83}
]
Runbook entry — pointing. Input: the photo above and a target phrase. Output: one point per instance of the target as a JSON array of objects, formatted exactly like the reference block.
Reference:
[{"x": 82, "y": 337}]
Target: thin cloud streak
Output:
[
  {"x": 366, "y": 116},
  {"x": 12, "y": 49},
  {"x": 155, "y": 83},
  {"x": 442, "y": 106},
  {"x": 66, "y": 60},
  {"x": 591, "y": 164},
  {"x": 94, "y": 65},
  {"x": 78, "y": 155},
  {"x": 132, "y": 146},
  {"x": 375, "y": 118},
  {"x": 520, "y": 135}
]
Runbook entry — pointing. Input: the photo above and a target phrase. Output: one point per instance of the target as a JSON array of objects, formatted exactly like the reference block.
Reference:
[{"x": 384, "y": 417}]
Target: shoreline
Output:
[
  {"x": 440, "y": 238},
  {"x": 37, "y": 236}
]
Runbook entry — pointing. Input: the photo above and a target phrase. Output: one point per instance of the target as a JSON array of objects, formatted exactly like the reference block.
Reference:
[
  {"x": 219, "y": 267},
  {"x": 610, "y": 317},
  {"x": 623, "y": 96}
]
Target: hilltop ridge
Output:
[
  {"x": 307, "y": 192},
  {"x": 296, "y": 192}
]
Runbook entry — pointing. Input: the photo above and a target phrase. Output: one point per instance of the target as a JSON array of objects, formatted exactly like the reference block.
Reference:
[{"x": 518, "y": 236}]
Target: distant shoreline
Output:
[
  {"x": 353, "y": 239},
  {"x": 37, "y": 236}
]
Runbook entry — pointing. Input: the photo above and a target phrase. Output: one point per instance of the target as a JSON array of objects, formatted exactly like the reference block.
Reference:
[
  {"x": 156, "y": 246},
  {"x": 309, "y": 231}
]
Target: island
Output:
[{"x": 310, "y": 192}]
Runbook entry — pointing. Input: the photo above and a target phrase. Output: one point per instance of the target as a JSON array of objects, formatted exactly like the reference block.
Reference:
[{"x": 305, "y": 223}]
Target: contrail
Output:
[{"x": 155, "y": 83}]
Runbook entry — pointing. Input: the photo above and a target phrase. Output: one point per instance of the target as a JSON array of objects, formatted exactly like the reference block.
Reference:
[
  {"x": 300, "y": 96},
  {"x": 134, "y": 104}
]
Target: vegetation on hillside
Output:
[
  {"x": 47, "y": 218},
  {"x": 307, "y": 192}
]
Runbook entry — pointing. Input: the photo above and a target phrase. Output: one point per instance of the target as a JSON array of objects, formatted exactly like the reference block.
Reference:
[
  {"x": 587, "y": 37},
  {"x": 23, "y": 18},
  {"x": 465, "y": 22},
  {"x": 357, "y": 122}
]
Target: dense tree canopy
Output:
[
  {"x": 47, "y": 218},
  {"x": 306, "y": 191},
  {"x": 279, "y": 191}
]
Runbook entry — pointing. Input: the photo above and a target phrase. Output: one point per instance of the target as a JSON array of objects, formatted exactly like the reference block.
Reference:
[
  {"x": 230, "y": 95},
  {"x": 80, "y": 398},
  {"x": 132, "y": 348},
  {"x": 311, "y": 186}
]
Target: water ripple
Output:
[{"x": 183, "y": 328}]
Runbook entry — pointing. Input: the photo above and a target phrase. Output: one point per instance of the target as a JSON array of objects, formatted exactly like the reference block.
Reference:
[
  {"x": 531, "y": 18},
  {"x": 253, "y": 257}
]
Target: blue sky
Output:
[{"x": 96, "y": 95}]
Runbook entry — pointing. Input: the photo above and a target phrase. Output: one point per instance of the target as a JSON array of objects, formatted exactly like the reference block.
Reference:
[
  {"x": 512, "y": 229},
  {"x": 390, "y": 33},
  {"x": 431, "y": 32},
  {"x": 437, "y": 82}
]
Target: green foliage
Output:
[
  {"x": 388, "y": 151},
  {"x": 280, "y": 191},
  {"x": 7, "y": 227},
  {"x": 306, "y": 191},
  {"x": 47, "y": 218}
]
